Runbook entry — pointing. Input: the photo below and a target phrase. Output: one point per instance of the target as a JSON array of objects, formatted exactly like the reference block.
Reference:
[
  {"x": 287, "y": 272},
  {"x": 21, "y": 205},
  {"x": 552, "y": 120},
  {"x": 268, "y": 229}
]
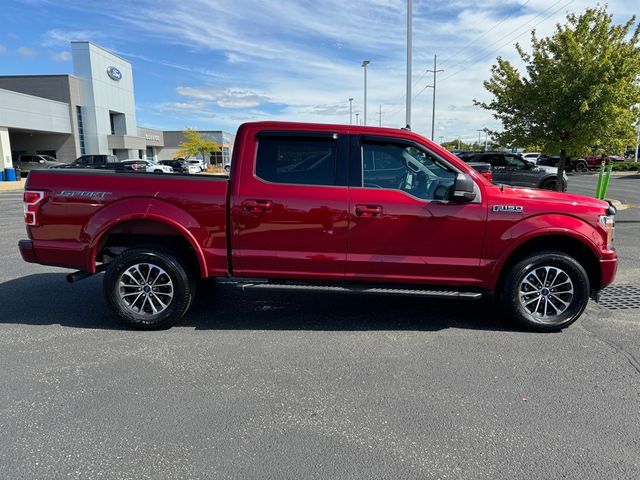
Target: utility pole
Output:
[
  {"x": 365, "y": 63},
  {"x": 458, "y": 142},
  {"x": 380, "y": 116},
  {"x": 351, "y": 111},
  {"x": 433, "y": 111},
  {"x": 409, "y": 58}
]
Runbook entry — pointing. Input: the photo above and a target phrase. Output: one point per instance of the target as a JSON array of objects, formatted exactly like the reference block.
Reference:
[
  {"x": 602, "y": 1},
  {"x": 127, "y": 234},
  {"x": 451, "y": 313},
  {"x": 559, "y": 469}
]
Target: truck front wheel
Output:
[
  {"x": 149, "y": 289},
  {"x": 546, "y": 291}
]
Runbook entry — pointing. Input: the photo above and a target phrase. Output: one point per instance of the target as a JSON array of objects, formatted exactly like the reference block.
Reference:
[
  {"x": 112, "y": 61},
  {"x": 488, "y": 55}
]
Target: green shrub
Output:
[{"x": 626, "y": 166}]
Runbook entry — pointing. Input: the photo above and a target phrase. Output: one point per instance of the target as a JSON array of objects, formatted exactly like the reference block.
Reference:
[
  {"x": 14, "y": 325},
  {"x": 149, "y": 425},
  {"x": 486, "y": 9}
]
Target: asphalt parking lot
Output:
[{"x": 264, "y": 385}]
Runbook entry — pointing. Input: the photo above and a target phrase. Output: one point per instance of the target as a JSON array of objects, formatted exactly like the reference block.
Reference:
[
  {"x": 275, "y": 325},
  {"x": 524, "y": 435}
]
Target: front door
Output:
[
  {"x": 403, "y": 227},
  {"x": 292, "y": 210}
]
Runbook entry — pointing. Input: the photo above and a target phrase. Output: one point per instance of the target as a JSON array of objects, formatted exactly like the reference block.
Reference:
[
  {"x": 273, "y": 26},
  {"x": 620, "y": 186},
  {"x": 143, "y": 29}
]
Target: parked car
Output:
[
  {"x": 483, "y": 169},
  {"x": 195, "y": 162},
  {"x": 147, "y": 166},
  {"x": 592, "y": 162},
  {"x": 91, "y": 161},
  {"x": 511, "y": 169},
  {"x": 181, "y": 166},
  {"x": 26, "y": 163},
  {"x": 531, "y": 157},
  {"x": 377, "y": 210}
]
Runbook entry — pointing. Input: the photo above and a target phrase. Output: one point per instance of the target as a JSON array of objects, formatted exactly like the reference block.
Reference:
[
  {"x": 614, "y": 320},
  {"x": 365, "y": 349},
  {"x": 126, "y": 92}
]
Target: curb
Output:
[
  {"x": 618, "y": 204},
  {"x": 12, "y": 186}
]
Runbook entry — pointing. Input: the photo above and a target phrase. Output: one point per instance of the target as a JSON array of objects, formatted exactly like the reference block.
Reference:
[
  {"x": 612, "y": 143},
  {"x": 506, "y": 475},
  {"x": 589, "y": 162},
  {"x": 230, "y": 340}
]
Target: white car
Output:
[
  {"x": 531, "y": 157},
  {"x": 198, "y": 163},
  {"x": 145, "y": 165},
  {"x": 153, "y": 167}
]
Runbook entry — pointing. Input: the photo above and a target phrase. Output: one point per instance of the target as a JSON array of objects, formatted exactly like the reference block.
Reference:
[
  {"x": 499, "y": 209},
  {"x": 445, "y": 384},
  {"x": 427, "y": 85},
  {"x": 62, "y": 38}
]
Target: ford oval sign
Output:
[{"x": 114, "y": 73}]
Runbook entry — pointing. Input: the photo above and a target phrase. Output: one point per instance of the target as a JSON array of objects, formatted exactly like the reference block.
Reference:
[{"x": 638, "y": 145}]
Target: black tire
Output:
[
  {"x": 165, "y": 305},
  {"x": 549, "y": 184},
  {"x": 581, "y": 166},
  {"x": 158, "y": 171},
  {"x": 521, "y": 299}
]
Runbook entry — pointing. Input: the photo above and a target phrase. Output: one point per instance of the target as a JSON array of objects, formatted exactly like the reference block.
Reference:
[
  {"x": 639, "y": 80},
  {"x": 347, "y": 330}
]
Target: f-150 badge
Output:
[{"x": 508, "y": 208}]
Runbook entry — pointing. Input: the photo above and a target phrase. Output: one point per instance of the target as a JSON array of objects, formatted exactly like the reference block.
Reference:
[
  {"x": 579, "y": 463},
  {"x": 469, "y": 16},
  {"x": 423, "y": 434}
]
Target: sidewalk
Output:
[{"x": 11, "y": 186}]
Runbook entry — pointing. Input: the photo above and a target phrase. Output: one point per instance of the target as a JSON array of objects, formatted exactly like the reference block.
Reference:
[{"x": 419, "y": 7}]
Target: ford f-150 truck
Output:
[{"x": 327, "y": 208}]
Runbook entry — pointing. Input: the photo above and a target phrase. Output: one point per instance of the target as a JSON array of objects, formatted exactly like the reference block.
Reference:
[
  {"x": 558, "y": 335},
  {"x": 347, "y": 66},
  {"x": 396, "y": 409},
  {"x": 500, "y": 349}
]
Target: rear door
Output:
[
  {"x": 521, "y": 173},
  {"x": 498, "y": 166},
  {"x": 291, "y": 210}
]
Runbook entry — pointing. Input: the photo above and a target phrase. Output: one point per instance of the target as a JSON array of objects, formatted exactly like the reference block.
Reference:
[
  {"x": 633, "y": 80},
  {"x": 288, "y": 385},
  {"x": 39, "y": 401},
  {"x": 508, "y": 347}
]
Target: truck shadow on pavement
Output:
[{"x": 47, "y": 299}]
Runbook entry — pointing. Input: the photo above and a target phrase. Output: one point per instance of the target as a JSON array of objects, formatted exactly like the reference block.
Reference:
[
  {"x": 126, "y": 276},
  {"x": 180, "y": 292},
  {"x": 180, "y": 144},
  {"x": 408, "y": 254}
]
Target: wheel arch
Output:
[
  {"x": 143, "y": 224},
  {"x": 576, "y": 248}
]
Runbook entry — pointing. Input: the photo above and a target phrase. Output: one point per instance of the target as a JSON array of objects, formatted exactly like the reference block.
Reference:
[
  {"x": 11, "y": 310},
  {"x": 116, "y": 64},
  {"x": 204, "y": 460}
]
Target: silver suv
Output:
[
  {"x": 511, "y": 169},
  {"x": 26, "y": 163}
]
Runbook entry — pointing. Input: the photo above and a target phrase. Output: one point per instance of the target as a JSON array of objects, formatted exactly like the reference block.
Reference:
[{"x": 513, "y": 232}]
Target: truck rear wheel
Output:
[
  {"x": 149, "y": 289},
  {"x": 581, "y": 166},
  {"x": 546, "y": 292}
]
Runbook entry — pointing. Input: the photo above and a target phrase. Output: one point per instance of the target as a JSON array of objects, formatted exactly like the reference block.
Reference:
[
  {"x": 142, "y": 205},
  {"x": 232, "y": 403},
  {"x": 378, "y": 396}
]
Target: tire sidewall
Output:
[
  {"x": 510, "y": 291},
  {"x": 182, "y": 288}
]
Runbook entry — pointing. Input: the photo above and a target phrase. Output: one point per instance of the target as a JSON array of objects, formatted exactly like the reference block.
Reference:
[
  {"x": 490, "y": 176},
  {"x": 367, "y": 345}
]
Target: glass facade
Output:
[{"x": 83, "y": 149}]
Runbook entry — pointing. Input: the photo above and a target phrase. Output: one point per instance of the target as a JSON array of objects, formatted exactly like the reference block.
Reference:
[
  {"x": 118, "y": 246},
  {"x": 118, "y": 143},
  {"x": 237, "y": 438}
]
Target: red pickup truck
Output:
[{"x": 329, "y": 208}]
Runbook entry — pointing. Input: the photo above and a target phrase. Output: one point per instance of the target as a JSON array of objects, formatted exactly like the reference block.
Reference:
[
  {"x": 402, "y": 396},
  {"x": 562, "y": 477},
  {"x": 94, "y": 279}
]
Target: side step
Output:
[{"x": 406, "y": 292}]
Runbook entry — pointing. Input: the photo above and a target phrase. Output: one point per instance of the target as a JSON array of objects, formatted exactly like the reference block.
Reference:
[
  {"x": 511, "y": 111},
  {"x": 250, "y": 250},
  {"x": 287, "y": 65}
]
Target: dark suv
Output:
[
  {"x": 92, "y": 161},
  {"x": 179, "y": 166},
  {"x": 512, "y": 169}
]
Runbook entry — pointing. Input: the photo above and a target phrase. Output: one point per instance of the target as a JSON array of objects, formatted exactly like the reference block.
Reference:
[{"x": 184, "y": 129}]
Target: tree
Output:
[
  {"x": 195, "y": 145},
  {"x": 580, "y": 90}
]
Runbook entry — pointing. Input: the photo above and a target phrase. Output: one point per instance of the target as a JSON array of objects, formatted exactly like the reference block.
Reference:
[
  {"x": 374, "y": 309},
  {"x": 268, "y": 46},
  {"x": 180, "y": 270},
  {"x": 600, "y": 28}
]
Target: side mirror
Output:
[{"x": 464, "y": 189}]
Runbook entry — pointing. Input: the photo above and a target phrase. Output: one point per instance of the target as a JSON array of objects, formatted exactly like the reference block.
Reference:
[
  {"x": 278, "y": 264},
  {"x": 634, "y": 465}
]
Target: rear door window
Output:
[{"x": 304, "y": 161}]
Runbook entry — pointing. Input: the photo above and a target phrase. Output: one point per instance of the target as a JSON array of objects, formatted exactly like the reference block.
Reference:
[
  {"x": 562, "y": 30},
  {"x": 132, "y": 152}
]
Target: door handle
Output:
[
  {"x": 257, "y": 206},
  {"x": 368, "y": 211}
]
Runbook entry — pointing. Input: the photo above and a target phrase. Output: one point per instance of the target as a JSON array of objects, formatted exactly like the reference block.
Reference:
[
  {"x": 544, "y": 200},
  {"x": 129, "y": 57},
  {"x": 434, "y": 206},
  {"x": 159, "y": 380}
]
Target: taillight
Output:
[{"x": 32, "y": 201}]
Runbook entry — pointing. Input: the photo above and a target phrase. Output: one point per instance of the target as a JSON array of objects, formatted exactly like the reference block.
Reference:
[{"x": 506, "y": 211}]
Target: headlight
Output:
[{"x": 608, "y": 222}]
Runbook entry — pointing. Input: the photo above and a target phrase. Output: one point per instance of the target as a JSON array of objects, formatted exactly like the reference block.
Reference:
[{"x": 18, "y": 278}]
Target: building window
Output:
[{"x": 83, "y": 150}]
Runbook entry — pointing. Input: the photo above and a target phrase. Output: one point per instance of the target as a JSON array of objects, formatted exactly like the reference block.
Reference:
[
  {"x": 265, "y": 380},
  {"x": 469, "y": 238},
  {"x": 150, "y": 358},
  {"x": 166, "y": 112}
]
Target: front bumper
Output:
[{"x": 608, "y": 269}]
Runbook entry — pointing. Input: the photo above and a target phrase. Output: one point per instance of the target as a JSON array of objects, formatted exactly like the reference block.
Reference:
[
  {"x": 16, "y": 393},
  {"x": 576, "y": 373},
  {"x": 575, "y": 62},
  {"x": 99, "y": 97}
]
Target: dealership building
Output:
[{"x": 91, "y": 111}]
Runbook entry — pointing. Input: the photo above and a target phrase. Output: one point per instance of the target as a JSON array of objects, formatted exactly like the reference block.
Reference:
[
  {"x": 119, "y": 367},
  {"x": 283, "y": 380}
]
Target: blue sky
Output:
[{"x": 215, "y": 64}]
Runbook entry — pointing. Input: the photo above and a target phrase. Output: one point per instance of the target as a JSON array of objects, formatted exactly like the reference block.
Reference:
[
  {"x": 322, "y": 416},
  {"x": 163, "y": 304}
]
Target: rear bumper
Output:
[{"x": 27, "y": 252}]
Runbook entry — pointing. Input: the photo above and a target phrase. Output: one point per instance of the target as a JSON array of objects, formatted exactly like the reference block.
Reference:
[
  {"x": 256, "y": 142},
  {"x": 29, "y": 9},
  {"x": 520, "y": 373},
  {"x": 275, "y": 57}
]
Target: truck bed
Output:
[{"x": 82, "y": 206}]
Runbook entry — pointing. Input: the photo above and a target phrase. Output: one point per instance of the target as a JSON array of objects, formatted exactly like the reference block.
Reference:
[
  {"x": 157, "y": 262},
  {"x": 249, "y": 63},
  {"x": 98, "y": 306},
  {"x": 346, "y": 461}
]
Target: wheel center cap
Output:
[
  {"x": 147, "y": 288},
  {"x": 544, "y": 292}
]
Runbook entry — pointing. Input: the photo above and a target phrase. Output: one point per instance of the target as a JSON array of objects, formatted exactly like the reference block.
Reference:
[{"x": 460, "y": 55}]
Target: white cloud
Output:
[
  {"x": 226, "y": 98},
  {"x": 2, "y": 49},
  {"x": 27, "y": 52},
  {"x": 63, "y": 56},
  {"x": 62, "y": 38}
]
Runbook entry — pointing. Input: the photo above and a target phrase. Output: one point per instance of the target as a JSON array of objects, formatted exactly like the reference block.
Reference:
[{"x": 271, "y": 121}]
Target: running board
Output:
[{"x": 362, "y": 290}]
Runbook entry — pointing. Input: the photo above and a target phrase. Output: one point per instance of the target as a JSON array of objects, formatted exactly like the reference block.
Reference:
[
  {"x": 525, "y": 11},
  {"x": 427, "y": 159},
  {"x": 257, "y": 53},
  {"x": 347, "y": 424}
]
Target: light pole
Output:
[
  {"x": 351, "y": 111},
  {"x": 365, "y": 63},
  {"x": 441, "y": 139},
  {"x": 357, "y": 121},
  {"x": 479, "y": 130},
  {"x": 409, "y": 58}
]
